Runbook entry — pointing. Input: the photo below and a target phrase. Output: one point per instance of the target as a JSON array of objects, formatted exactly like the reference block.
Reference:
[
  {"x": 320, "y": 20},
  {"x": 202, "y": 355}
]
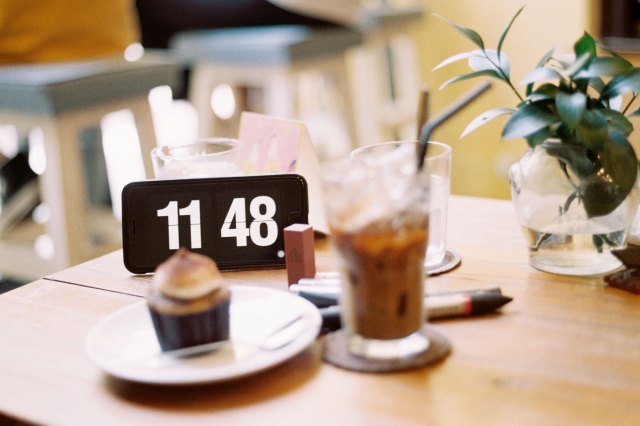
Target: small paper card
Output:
[{"x": 276, "y": 145}]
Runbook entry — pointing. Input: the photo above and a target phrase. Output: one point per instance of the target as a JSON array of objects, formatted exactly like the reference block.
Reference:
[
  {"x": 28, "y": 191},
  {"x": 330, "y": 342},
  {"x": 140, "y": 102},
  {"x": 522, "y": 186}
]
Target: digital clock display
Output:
[{"x": 237, "y": 221}]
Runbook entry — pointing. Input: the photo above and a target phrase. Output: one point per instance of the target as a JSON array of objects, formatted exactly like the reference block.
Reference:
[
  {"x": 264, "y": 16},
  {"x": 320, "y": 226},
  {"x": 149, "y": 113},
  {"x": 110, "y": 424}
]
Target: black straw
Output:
[{"x": 431, "y": 125}]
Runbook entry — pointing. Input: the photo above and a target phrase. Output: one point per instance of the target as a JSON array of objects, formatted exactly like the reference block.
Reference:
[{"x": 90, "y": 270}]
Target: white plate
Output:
[{"x": 124, "y": 344}]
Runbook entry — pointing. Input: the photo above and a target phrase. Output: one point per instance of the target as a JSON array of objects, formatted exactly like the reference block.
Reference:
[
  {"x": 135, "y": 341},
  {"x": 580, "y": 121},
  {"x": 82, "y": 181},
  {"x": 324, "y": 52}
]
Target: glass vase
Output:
[{"x": 562, "y": 238}]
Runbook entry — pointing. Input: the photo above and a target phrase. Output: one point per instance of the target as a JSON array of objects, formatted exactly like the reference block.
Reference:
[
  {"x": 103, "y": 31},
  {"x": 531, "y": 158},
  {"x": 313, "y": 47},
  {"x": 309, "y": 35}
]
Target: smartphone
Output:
[{"x": 237, "y": 221}]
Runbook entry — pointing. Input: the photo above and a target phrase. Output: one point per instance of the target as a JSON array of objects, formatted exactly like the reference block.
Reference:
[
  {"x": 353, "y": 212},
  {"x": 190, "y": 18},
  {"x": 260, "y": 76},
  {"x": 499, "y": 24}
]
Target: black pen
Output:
[
  {"x": 464, "y": 304},
  {"x": 437, "y": 307},
  {"x": 323, "y": 297}
]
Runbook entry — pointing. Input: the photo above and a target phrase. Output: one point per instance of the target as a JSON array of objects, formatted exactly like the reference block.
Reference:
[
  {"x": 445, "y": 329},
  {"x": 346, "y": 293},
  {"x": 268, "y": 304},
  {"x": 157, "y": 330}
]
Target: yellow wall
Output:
[{"x": 481, "y": 159}]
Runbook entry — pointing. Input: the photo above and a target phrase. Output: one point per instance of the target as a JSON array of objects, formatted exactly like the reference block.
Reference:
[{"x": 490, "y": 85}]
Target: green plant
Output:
[{"x": 573, "y": 108}]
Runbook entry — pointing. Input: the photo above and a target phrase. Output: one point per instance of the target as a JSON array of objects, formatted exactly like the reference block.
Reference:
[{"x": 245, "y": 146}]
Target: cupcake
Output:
[{"x": 188, "y": 302}]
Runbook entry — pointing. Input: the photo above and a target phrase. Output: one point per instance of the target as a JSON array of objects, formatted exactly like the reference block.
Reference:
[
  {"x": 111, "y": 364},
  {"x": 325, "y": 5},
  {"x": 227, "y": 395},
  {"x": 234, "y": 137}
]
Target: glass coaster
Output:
[
  {"x": 451, "y": 260},
  {"x": 334, "y": 351}
]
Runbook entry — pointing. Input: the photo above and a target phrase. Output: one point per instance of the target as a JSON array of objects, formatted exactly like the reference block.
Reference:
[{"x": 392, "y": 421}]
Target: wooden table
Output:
[{"x": 565, "y": 351}]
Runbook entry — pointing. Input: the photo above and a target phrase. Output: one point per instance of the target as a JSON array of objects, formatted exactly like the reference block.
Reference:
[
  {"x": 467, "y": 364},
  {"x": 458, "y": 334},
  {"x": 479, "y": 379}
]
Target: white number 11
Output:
[
  {"x": 261, "y": 208},
  {"x": 171, "y": 212}
]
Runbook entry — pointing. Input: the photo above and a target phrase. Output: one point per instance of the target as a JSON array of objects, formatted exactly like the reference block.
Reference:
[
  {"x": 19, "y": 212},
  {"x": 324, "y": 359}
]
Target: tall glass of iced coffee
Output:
[{"x": 377, "y": 208}]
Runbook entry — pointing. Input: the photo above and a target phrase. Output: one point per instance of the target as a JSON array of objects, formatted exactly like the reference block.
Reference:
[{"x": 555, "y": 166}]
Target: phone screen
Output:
[{"x": 237, "y": 221}]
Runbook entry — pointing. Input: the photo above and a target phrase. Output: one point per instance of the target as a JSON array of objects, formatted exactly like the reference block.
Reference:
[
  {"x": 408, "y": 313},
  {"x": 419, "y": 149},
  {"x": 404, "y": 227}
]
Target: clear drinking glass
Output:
[
  {"x": 438, "y": 170},
  {"x": 377, "y": 209},
  {"x": 210, "y": 157}
]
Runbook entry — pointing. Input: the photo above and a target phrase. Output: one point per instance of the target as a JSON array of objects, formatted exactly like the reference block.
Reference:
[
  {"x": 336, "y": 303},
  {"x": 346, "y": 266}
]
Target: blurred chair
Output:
[
  {"x": 373, "y": 84},
  {"x": 274, "y": 59},
  {"x": 54, "y": 104}
]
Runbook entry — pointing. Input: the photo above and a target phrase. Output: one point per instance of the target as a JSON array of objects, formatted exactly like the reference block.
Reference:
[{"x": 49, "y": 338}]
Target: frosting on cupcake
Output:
[{"x": 187, "y": 275}]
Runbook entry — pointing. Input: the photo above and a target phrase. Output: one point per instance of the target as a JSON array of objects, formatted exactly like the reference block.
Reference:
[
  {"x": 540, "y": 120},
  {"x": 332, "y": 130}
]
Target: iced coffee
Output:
[
  {"x": 384, "y": 273},
  {"x": 377, "y": 209}
]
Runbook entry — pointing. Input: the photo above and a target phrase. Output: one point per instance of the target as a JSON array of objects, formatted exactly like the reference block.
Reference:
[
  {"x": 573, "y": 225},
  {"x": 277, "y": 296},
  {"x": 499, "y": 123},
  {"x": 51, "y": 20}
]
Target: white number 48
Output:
[{"x": 262, "y": 210}]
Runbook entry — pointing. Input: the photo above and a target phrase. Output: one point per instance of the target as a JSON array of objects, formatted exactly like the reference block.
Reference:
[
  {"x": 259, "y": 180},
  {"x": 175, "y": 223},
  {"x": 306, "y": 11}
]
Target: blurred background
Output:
[{"x": 406, "y": 40}]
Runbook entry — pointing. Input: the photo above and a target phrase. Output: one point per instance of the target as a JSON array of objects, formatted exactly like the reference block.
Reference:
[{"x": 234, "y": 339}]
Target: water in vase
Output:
[{"x": 580, "y": 247}]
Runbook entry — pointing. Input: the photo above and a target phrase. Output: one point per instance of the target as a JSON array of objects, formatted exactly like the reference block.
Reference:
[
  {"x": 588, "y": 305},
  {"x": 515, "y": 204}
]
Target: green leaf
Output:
[
  {"x": 578, "y": 65},
  {"x": 571, "y": 107},
  {"x": 616, "y": 174},
  {"x": 617, "y": 121},
  {"x": 629, "y": 82},
  {"x": 539, "y": 97},
  {"x": 506, "y": 30},
  {"x": 567, "y": 203},
  {"x": 598, "y": 242},
  {"x": 484, "y": 73},
  {"x": 470, "y": 34},
  {"x": 597, "y": 84},
  {"x": 548, "y": 89},
  {"x": 484, "y": 118},
  {"x": 547, "y": 56},
  {"x": 527, "y": 120},
  {"x": 585, "y": 45},
  {"x": 635, "y": 113},
  {"x": 612, "y": 52},
  {"x": 605, "y": 66},
  {"x": 592, "y": 130},
  {"x": 489, "y": 60},
  {"x": 459, "y": 56},
  {"x": 540, "y": 74},
  {"x": 574, "y": 155},
  {"x": 544, "y": 92},
  {"x": 539, "y": 137},
  {"x": 541, "y": 63}
]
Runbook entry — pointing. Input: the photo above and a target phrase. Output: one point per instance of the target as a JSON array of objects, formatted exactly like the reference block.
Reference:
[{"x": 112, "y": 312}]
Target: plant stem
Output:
[
  {"x": 503, "y": 75},
  {"x": 514, "y": 90},
  {"x": 633, "y": 98}
]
